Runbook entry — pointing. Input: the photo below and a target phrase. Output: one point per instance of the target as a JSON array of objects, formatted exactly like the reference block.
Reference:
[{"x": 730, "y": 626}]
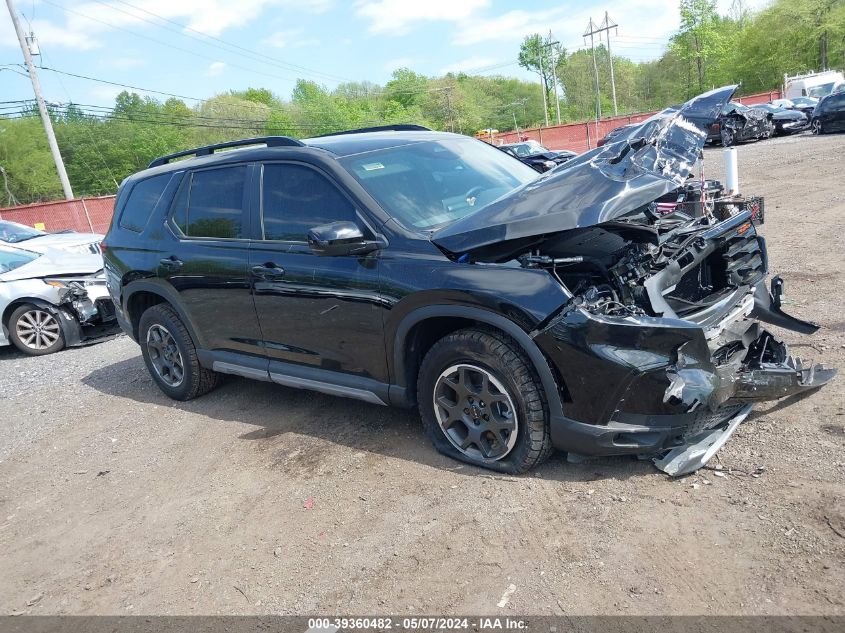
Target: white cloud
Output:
[
  {"x": 648, "y": 22},
  {"x": 215, "y": 69},
  {"x": 470, "y": 63},
  {"x": 396, "y": 17},
  {"x": 400, "y": 62},
  {"x": 85, "y": 21},
  {"x": 280, "y": 39},
  {"x": 107, "y": 93}
]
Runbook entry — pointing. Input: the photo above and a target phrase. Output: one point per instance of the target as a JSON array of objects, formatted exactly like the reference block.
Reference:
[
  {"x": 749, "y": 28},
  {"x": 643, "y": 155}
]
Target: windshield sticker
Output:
[{"x": 373, "y": 166}]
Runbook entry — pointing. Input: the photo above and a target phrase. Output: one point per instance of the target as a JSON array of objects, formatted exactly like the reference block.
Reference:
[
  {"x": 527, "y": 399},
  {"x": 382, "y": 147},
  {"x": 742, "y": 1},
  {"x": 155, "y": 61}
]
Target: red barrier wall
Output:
[
  {"x": 579, "y": 137},
  {"x": 84, "y": 215}
]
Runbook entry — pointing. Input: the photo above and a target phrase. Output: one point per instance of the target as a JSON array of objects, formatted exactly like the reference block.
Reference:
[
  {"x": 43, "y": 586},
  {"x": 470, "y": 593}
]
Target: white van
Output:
[{"x": 815, "y": 85}]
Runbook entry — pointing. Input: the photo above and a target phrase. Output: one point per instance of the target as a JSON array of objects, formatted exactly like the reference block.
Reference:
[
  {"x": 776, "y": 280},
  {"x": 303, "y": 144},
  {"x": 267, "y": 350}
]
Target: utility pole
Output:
[
  {"x": 449, "y": 102},
  {"x": 42, "y": 107},
  {"x": 543, "y": 88},
  {"x": 550, "y": 45},
  {"x": 606, "y": 26},
  {"x": 516, "y": 125},
  {"x": 592, "y": 29}
]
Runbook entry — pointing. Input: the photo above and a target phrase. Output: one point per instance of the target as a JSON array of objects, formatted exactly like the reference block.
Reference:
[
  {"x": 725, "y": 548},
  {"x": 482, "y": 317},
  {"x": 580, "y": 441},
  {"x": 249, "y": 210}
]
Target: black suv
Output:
[{"x": 518, "y": 311}]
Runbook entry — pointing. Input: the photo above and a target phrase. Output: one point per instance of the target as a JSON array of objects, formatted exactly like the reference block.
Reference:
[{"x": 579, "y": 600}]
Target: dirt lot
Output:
[{"x": 262, "y": 499}]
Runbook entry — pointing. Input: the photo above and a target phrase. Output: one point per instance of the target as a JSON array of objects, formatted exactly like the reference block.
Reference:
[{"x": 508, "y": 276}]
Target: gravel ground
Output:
[{"x": 261, "y": 499}]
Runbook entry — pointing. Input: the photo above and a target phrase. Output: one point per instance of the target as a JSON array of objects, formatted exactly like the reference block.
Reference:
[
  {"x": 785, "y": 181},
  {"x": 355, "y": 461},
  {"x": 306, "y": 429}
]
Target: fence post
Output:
[
  {"x": 587, "y": 127},
  {"x": 87, "y": 215},
  {"x": 540, "y": 134}
]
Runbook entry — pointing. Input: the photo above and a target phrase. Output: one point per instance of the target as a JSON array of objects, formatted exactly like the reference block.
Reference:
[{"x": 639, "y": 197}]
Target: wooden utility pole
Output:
[{"x": 39, "y": 98}]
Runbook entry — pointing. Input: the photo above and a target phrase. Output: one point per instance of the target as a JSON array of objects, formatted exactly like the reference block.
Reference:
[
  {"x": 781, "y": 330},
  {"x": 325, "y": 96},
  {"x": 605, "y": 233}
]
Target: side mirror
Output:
[{"x": 340, "y": 238}]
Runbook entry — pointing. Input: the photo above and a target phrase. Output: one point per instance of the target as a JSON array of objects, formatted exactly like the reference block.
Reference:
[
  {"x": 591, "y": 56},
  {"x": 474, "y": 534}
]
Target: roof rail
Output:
[
  {"x": 269, "y": 141},
  {"x": 393, "y": 127}
]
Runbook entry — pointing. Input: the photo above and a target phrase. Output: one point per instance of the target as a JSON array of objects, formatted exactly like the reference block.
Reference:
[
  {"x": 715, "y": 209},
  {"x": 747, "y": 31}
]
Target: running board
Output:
[{"x": 298, "y": 376}]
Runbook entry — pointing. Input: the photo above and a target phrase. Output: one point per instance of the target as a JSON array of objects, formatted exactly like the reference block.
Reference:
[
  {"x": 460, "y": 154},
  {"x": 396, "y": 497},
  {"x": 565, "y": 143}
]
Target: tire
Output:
[
  {"x": 35, "y": 330},
  {"x": 510, "y": 431},
  {"x": 171, "y": 356},
  {"x": 727, "y": 137},
  {"x": 816, "y": 127}
]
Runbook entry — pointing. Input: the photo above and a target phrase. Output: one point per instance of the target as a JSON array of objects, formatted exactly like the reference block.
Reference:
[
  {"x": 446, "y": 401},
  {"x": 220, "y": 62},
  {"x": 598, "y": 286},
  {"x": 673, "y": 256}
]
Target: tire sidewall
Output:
[
  {"x": 473, "y": 352},
  {"x": 156, "y": 316},
  {"x": 13, "y": 331}
]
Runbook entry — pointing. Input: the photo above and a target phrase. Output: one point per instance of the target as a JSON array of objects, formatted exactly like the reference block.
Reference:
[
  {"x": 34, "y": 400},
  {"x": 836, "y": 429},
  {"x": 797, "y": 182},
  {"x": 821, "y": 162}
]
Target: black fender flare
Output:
[
  {"x": 166, "y": 292},
  {"x": 71, "y": 330},
  {"x": 538, "y": 360}
]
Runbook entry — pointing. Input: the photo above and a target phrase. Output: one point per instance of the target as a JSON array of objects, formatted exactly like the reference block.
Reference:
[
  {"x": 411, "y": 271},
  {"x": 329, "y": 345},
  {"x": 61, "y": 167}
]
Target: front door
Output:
[
  {"x": 323, "y": 312},
  {"x": 208, "y": 262}
]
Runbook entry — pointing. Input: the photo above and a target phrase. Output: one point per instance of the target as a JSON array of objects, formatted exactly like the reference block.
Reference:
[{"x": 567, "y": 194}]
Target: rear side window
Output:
[
  {"x": 142, "y": 200},
  {"x": 210, "y": 203},
  {"x": 296, "y": 198}
]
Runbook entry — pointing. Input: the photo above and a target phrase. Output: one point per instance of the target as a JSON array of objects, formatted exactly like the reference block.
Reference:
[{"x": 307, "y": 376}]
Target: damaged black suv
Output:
[{"x": 519, "y": 312}]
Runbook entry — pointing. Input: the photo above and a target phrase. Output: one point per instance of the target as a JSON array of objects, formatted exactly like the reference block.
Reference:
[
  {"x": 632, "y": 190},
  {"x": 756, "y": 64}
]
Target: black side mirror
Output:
[{"x": 340, "y": 238}]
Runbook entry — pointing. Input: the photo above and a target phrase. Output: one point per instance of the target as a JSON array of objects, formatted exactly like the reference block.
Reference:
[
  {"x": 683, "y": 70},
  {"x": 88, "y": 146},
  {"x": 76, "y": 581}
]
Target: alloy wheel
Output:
[
  {"x": 165, "y": 356},
  {"x": 38, "y": 329},
  {"x": 475, "y": 412},
  {"x": 817, "y": 126}
]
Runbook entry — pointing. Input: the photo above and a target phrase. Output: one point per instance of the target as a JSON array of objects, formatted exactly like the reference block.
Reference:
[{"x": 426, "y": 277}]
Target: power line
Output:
[
  {"x": 163, "y": 43},
  {"x": 251, "y": 52}
]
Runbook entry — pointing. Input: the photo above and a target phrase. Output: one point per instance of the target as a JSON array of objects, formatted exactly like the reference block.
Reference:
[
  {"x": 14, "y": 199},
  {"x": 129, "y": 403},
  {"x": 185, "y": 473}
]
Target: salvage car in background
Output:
[
  {"x": 801, "y": 104},
  {"x": 536, "y": 156},
  {"x": 519, "y": 312},
  {"x": 786, "y": 121},
  {"x": 829, "y": 115},
  {"x": 738, "y": 123},
  {"x": 40, "y": 241},
  {"x": 52, "y": 300}
]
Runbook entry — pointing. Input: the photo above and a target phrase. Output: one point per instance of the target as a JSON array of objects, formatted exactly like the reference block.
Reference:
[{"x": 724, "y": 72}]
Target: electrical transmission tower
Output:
[{"x": 592, "y": 30}]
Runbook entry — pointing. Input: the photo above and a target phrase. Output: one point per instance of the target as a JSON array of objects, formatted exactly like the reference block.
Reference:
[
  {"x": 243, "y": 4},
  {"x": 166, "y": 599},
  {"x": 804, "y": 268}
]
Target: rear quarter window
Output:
[{"x": 142, "y": 199}]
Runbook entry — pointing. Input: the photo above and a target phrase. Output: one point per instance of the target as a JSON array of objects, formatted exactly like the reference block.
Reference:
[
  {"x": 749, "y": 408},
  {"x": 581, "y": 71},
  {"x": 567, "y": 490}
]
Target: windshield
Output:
[
  {"x": 821, "y": 91},
  {"x": 433, "y": 183},
  {"x": 12, "y": 232},
  {"x": 15, "y": 258}
]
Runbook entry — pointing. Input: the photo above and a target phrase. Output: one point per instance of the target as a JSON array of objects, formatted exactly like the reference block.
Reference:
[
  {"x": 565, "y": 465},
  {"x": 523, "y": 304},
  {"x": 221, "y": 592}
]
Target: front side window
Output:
[
  {"x": 210, "y": 203},
  {"x": 296, "y": 198},
  {"x": 433, "y": 183}
]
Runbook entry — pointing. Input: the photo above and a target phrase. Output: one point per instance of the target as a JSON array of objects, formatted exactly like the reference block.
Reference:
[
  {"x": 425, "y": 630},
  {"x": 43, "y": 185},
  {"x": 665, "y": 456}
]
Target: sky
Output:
[{"x": 198, "y": 48}]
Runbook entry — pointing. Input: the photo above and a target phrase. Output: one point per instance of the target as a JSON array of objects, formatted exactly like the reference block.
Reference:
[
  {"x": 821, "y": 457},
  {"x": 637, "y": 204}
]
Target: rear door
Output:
[
  {"x": 323, "y": 312},
  {"x": 208, "y": 257},
  {"x": 837, "y": 113}
]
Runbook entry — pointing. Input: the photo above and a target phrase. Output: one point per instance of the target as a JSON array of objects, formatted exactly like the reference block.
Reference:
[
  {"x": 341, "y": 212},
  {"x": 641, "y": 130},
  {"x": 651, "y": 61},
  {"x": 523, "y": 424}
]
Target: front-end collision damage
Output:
[
  {"x": 82, "y": 307},
  {"x": 660, "y": 349}
]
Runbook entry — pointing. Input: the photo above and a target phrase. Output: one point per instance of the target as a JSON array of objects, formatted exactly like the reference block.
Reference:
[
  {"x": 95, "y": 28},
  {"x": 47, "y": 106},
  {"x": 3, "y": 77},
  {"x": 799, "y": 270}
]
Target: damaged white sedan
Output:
[{"x": 51, "y": 300}]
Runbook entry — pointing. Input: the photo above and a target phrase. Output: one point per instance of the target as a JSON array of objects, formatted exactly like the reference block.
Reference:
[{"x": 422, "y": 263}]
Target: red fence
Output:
[
  {"x": 86, "y": 215},
  {"x": 579, "y": 137}
]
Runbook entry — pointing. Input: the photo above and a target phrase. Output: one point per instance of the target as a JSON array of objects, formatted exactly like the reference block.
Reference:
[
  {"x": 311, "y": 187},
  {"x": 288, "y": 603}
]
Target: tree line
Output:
[{"x": 101, "y": 146}]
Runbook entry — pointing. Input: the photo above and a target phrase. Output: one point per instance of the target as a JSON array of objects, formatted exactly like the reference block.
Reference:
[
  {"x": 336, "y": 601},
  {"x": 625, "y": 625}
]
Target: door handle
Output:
[
  {"x": 268, "y": 271},
  {"x": 171, "y": 263}
]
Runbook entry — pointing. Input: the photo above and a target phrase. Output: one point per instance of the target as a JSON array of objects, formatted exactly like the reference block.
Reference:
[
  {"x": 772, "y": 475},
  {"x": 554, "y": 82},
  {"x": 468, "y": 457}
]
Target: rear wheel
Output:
[
  {"x": 482, "y": 402},
  {"x": 170, "y": 355},
  {"x": 35, "y": 330}
]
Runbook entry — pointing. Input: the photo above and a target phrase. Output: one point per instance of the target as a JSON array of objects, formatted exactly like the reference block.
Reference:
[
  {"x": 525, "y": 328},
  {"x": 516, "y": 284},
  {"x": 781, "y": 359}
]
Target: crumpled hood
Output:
[{"x": 598, "y": 186}]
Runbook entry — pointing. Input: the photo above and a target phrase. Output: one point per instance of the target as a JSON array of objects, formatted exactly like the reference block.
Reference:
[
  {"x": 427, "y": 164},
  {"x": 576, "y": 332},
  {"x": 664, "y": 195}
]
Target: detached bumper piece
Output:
[{"x": 701, "y": 448}]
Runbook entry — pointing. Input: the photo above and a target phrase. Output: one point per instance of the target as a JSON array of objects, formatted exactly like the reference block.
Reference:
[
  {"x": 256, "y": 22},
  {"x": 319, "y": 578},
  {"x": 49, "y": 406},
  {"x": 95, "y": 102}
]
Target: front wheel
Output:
[
  {"x": 727, "y": 137},
  {"x": 816, "y": 126},
  {"x": 482, "y": 402},
  {"x": 35, "y": 330}
]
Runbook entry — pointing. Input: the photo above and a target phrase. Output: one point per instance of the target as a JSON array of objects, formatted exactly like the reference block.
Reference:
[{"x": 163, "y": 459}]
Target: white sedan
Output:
[{"x": 52, "y": 300}]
